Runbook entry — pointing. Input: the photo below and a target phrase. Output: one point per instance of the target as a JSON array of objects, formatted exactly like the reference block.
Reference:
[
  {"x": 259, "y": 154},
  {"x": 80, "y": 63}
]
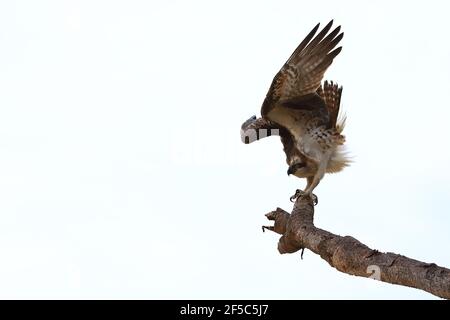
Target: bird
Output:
[{"x": 304, "y": 112}]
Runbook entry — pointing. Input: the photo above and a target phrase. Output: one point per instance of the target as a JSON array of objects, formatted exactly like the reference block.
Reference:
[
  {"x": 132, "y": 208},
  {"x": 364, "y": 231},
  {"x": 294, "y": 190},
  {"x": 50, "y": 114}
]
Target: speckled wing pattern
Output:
[{"x": 331, "y": 93}]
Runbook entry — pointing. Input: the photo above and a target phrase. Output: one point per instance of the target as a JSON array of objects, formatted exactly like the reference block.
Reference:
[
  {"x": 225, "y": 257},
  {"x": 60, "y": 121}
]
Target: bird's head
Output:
[
  {"x": 295, "y": 168},
  {"x": 302, "y": 169}
]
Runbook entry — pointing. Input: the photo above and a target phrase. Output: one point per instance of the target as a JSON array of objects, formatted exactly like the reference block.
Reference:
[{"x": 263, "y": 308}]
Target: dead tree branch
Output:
[{"x": 350, "y": 256}]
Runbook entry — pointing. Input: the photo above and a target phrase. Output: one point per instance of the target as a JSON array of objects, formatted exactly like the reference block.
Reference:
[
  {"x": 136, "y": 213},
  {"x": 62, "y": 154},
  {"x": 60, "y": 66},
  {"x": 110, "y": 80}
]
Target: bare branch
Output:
[{"x": 350, "y": 256}]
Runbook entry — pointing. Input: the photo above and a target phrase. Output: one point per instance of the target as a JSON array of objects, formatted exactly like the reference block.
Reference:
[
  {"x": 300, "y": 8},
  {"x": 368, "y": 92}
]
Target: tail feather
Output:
[
  {"x": 339, "y": 160},
  {"x": 331, "y": 93},
  {"x": 340, "y": 123}
]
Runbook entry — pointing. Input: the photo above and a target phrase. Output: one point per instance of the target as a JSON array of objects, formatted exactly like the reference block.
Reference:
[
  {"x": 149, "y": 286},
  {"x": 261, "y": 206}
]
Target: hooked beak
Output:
[
  {"x": 293, "y": 168},
  {"x": 290, "y": 171}
]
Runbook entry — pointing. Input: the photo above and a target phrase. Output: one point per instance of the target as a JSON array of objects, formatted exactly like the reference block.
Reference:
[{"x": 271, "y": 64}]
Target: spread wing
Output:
[{"x": 292, "y": 95}]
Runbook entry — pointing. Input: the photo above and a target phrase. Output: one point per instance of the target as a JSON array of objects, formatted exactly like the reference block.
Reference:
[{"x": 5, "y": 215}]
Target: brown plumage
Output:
[{"x": 304, "y": 113}]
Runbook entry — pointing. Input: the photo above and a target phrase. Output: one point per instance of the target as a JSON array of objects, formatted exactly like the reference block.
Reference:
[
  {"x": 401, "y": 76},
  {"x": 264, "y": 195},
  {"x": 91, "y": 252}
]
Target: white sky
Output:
[{"x": 122, "y": 174}]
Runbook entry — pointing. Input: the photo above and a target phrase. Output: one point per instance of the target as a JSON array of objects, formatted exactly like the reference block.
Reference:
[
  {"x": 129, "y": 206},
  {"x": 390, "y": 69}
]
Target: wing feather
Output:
[
  {"x": 304, "y": 70},
  {"x": 331, "y": 93},
  {"x": 292, "y": 101}
]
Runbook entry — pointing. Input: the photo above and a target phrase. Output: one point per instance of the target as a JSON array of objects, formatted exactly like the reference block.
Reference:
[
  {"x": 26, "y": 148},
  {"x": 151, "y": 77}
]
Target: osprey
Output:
[{"x": 304, "y": 113}]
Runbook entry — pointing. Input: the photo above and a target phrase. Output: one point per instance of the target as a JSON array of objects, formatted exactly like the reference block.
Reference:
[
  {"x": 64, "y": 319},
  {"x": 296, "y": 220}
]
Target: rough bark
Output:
[{"x": 350, "y": 256}]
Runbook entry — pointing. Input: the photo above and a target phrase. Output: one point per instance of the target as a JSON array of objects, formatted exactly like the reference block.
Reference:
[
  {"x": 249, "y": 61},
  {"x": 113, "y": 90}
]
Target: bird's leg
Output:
[
  {"x": 300, "y": 193},
  {"x": 314, "y": 181},
  {"x": 309, "y": 182}
]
